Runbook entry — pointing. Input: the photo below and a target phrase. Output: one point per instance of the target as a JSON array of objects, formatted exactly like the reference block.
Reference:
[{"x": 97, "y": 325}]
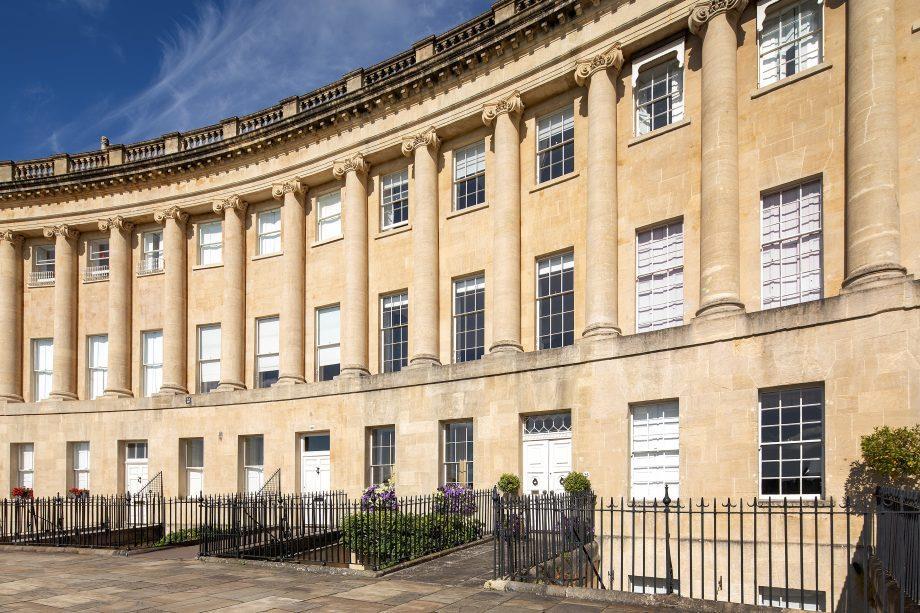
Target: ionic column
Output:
[
  {"x": 293, "y": 270},
  {"x": 233, "y": 309},
  {"x": 64, "y": 377},
  {"x": 599, "y": 75},
  {"x": 720, "y": 278},
  {"x": 175, "y": 303},
  {"x": 873, "y": 233},
  {"x": 10, "y": 317},
  {"x": 506, "y": 224},
  {"x": 355, "y": 301},
  {"x": 119, "y": 374},
  {"x": 423, "y": 302}
]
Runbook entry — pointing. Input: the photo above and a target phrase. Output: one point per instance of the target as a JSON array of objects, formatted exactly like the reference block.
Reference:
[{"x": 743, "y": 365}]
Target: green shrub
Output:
[
  {"x": 179, "y": 536},
  {"x": 384, "y": 538},
  {"x": 576, "y": 483},
  {"x": 509, "y": 484},
  {"x": 893, "y": 453}
]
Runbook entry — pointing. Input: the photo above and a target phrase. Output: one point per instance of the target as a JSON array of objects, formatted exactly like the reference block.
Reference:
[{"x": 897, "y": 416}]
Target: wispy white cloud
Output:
[{"x": 237, "y": 57}]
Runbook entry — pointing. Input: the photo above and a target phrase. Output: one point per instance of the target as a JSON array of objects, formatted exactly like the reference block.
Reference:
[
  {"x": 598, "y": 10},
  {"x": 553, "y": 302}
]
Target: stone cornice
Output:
[
  {"x": 428, "y": 138},
  {"x": 703, "y": 12},
  {"x": 355, "y": 163},
  {"x": 172, "y": 212},
  {"x": 361, "y": 96},
  {"x": 510, "y": 104},
  {"x": 233, "y": 203},
  {"x": 612, "y": 58},
  {"x": 11, "y": 237},
  {"x": 288, "y": 187},
  {"x": 63, "y": 231},
  {"x": 118, "y": 223}
]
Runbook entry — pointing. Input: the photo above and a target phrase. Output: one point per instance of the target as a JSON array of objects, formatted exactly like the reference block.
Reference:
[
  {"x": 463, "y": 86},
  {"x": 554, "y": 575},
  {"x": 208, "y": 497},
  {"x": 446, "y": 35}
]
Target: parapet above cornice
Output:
[
  {"x": 702, "y": 12},
  {"x": 437, "y": 62}
]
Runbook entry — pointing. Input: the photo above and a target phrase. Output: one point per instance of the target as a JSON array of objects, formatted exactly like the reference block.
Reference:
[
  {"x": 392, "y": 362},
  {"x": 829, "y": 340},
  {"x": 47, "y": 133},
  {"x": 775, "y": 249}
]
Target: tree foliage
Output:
[
  {"x": 509, "y": 483},
  {"x": 893, "y": 453}
]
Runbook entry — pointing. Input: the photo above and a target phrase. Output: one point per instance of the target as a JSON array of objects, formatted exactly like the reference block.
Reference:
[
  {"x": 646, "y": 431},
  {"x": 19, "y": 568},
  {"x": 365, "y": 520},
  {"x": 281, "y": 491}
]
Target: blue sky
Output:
[{"x": 78, "y": 69}]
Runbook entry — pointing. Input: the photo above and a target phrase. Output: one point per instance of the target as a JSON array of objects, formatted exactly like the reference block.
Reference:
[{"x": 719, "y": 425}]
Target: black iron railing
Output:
[
  {"x": 329, "y": 529},
  {"x": 811, "y": 554}
]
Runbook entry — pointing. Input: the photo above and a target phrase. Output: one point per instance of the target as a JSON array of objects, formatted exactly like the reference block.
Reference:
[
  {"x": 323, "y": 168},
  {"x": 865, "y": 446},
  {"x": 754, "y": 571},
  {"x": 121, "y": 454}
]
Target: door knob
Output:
[
  {"x": 535, "y": 481},
  {"x": 317, "y": 470}
]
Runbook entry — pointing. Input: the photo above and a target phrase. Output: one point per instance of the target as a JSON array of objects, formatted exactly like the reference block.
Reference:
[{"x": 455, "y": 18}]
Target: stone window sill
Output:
[
  {"x": 154, "y": 273},
  {"x": 772, "y": 87},
  {"x": 470, "y": 209},
  {"x": 327, "y": 241},
  {"x": 100, "y": 280},
  {"x": 36, "y": 285},
  {"x": 554, "y": 182},
  {"x": 393, "y": 231},
  {"x": 207, "y": 266},
  {"x": 660, "y": 131},
  {"x": 267, "y": 256}
]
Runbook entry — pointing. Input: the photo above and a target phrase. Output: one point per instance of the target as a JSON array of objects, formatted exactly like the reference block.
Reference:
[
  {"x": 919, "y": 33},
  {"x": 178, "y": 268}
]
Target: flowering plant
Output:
[
  {"x": 23, "y": 492},
  {"x": 79, "y": 492},
  {"x": 454, "y": 498},
  {"x": 379, "y": 498}
]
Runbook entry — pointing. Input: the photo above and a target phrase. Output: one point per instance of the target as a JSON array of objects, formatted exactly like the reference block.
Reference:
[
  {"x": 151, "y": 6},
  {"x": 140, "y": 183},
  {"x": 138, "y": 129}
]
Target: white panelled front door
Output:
[
  {"x": 314, "y": 471},
  {"x": 254, "y": 480},
  {"x": 195, "y": 482},
  {"x": 135, "y": 476},
  {"x": 546, "y": 462}
]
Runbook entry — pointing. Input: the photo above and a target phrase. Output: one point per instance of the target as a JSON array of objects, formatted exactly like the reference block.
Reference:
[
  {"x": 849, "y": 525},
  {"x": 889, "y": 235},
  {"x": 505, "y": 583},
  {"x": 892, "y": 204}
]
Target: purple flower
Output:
[
  {"x": 456, "y": 499},
  {"x": 379, "y": 498}
]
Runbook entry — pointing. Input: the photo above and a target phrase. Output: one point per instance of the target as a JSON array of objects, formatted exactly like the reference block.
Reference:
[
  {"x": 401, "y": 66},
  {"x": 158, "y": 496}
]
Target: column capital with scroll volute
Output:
[
  {"x": 509, "y": 105},
  {"x": 428, "y": 138},
  {"x": 611, "y": 59},
  {"x": 703, "y": 12}
]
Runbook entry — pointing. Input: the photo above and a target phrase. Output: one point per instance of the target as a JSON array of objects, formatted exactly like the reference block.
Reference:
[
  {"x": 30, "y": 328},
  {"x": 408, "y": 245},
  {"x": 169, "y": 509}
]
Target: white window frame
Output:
[
  {"x": 329, "y": 224},
  {"x": 93, "y": 369},
  {"x": 97, "y": 260},
  {"x": 666, "y": 54},
  {"x": 248, "y": 441},
  {"x": 397, "y": 300},
  {"x": 567, "y": 114},
  {"x": 151, "y": 259},
  {"x": 566, "y": 260},
  {"x": 205, "y": 361},
  {"x": 149, "y": 367},
  {"x": 38, "y": 373},
  {"x": 473, "y": 155},
  {"x": 271, "y": 235},
  {"x": 43, "y": 265},
  {"x": 263, "y": 355},
  {"x": 375, "y": 469},
  {"x": 78, "y": 469},
  {"x": 475, "y": 284},
  {"x": 799, "y": 237},
  {"x": 670, "y": 273},
  {"x": 662, "y": 447},
  {"x": 192, "y": 468},
  {"x": 25, "y": 470},
  {"x": 468, "y": 452},
  {"x": 322, "y": 348},
  {"x": 770, "y": 9},
  {"x": 215, "y": 248},
  {"x": 801, "y": 441},
  {"x": 140, "y": 451},
  {"x": 395, "y": 180}
]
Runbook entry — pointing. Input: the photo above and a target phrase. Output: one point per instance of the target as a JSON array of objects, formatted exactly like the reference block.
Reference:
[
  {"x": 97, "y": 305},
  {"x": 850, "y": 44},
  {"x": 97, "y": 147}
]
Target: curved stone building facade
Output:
[{"x": 659, "y": 242}]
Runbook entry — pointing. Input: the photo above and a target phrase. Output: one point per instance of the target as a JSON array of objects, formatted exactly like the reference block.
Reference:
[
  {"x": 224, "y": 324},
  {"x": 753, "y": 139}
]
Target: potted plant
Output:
[
  {"x": 78, "y": 492},
  {"x": 509, "y": 484},
  {"x": 23, "y": 493}
]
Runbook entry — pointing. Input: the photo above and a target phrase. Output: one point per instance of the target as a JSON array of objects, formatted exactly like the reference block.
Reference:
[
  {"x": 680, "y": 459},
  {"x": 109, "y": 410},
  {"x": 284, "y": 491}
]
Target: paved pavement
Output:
[{"x": 171, "y": 581}]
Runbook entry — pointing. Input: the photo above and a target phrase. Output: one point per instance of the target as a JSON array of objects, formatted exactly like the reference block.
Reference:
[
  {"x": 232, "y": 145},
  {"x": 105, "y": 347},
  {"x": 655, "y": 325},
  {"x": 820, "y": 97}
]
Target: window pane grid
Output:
[
  {"x": 791, "y": 246},
  {"x": 98, "y": 365},
  {"x": 555, "y": 145},
  {"x": 327, "y": 343},
  {"x": 659, "y": 97},
  {"x": 791, "y": 442},
  {"x": 458, "y": 454},
  {"x": 269, "y": 225},
  {"x": 383, "y": 454},
  {"x": 660, "y": 277},
  {"x": 655, "y": 450},
  {"x": 267, "y": 360},
  {"x": 329, "y": 216},
  {"x": 469, "y": 318},
  {"x": 42, "y": 368},
  {"x": 208, "y": 358},
  {"x": 152, "y": 361},
  {"x": 469, "y": 176},
  {"x": 210, "y": 242},
  {"x": 394, "y": 331},
  {"x": 556, "y": 301},
  {"x": 395, "y": 200},
  {"x": 790, "y": 41}
]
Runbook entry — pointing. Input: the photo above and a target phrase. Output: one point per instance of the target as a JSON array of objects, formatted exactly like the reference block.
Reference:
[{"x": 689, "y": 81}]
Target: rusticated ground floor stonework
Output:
[{"x": 860, "y": 348}]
